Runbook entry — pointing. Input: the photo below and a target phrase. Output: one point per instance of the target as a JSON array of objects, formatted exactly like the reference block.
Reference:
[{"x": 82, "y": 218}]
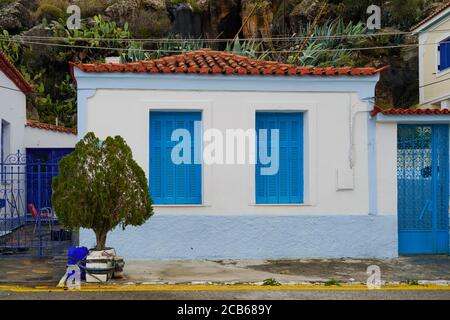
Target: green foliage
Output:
[
  {"x": 11, "y": 48},
  {"x": 270, "y": 282},
  {"x": 403, "y": 13},
  {"x": 168, "y": 46},
  {"x": 174, "y": 44},
  {"x": 100, "y": 34},
  {"x": 250, "y": 48},
  {"x": 100, "y": 187},
  {"x": 411, "y": 282},
  {"x": 90, "y": 8},
  {"x": 322, "y": 49},
  {"x": 4, "y": 3},
  {"x": 331, "y": 282},
  {"x": 49, "y": 12},
  {"x": 150, "y": 24}
]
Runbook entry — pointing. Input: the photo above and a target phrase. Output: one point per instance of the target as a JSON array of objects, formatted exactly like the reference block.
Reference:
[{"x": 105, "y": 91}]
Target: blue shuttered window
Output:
[
  {"x": 286, "y": 186},
  {"x": 172, "y": 183},
  {"x": 444, "y": 54}
]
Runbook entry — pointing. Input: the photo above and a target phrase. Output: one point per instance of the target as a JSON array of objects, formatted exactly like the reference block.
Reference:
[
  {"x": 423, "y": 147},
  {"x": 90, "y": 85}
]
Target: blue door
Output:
[
  {"x": 42, "y": 166},
  {"x": 170, "y": 182},
  {"x": 285, "y": 185},
  {"x": 423, "y": 189}
]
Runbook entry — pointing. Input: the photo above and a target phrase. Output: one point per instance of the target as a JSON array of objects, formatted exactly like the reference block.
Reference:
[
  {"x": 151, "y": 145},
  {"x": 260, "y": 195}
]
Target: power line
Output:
[
  {"x": 256, "y": 51},
  {"x": 176, "y": 40},
  {"x": 431, "y": 83},
  {"x": 9, "y": 88}
]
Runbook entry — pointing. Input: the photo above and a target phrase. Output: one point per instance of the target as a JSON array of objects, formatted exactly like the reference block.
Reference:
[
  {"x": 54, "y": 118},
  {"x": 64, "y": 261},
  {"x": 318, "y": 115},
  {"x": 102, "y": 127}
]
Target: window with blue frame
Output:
[
  {"x": 284, "y": 186},
  {"x": 444, "y": 54},
  {"x": 172, "y": 182}
]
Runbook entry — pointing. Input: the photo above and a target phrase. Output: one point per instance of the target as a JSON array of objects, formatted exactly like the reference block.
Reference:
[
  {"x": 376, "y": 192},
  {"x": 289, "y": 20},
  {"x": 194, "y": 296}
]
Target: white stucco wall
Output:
[
  {"x": 327, "y": 144},
  {"x": 12, "y": 110},
  {"x": 228, "y": 224},
  {"x": 386, "y": 155},
  {"x": 39, "y": 138}
]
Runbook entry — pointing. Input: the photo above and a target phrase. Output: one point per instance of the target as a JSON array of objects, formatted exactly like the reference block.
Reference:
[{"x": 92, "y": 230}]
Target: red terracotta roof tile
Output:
[
  {"x": 14, "y": 75},
  {"x": 401, "y": 111},
  {"x": 206, "y": 61},
  {"x": 431, "y": 16},
  {"x": 51, "y": 127}
]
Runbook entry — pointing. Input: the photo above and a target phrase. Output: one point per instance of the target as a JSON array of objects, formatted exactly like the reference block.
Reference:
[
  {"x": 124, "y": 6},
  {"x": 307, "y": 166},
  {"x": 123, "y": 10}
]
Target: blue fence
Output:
[{"x": 28, "y": 223}]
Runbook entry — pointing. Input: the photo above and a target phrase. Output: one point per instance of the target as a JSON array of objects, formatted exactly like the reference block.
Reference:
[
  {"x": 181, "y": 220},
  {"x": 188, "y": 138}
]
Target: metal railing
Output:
[{"x": 28, "y": 223}]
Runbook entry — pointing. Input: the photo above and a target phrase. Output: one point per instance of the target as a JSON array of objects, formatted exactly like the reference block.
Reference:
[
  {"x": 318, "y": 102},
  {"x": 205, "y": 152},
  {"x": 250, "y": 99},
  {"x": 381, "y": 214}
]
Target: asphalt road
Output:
[{"x": 233, "y": 295}]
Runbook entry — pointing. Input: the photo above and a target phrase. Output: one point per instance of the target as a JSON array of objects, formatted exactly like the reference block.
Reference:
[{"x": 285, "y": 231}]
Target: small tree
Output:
[{"x": 100, "y": 186}]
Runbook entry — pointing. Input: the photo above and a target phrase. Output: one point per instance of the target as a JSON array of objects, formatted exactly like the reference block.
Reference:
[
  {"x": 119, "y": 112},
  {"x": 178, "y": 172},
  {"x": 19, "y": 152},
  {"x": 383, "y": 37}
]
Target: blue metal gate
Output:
[
  {"x": 28, "y": 223},
  {"x": 423, "y": 189}
]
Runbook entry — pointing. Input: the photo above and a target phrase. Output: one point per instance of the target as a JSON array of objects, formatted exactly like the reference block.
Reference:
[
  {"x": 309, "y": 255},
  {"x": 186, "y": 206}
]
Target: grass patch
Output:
[
  {"x": 411, "y": 282},
  {"x": 271, "y": 282},
  {"x": 332, "y": 282}
]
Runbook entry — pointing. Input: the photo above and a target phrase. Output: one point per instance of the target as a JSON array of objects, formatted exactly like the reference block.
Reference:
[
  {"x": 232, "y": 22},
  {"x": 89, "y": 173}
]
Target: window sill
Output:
[
  {"x": 443, "y": 72},
  {"x": 179, "y": 205},
  {"x": 281, "y": 205}
]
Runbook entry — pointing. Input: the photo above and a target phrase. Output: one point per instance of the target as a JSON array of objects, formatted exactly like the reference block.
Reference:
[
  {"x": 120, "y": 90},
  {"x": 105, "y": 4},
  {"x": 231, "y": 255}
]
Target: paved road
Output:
[{"x": 231, "y": 295}]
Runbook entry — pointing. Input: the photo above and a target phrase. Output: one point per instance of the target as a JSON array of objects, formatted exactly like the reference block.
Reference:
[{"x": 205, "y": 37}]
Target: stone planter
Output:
[{"x": 100, "y": 265}]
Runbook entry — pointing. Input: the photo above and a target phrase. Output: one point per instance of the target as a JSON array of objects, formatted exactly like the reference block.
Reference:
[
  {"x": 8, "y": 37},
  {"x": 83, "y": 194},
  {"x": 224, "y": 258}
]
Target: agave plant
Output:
[
  {"x": 249, "y": 48},
  {"x": 326, "y": 44},
  {"x": 174, "y": 44}
]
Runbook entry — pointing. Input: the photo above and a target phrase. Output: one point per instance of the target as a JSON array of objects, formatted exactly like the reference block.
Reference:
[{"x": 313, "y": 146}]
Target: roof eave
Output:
[
  {"x": 14, "y": 75},
  {"x": 427, "y": 23}
]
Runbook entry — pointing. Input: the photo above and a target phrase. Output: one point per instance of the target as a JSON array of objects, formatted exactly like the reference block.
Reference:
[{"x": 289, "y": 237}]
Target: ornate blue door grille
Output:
[
  {"x": 423, "y": 189},
  {"x": 25, "y": 183}
]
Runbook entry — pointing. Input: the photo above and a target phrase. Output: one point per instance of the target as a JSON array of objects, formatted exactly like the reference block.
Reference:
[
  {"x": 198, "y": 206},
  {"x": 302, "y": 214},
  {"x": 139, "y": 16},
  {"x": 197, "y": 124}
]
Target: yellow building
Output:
[{"x": 434, "y": 58}]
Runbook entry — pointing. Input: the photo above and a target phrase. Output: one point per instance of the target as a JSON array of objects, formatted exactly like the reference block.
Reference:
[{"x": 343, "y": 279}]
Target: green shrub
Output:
[
  {"x": 49, "y": 12},
  {"x": 100, "y": 187},
  {"x": 90, "y": 8}
]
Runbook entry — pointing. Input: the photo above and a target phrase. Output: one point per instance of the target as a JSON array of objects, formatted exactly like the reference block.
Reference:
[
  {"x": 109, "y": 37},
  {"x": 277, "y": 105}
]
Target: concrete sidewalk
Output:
[
  {"x": 419, "y": 268},
  {"x": 35, "y": 271}
]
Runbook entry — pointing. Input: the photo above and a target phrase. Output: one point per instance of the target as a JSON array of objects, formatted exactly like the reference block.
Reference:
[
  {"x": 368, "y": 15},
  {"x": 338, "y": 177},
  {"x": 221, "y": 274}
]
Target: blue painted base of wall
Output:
[{"x": 255, "y": 237}]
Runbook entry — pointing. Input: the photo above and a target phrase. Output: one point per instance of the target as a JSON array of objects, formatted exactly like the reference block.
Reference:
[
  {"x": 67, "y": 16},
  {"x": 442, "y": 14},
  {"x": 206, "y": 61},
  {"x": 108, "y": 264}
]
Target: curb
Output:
[{"x": 221, "y": 287}]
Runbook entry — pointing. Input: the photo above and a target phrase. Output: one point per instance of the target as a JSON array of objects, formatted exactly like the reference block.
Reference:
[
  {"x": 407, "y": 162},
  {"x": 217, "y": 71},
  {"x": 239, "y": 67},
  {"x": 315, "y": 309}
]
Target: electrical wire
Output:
[
  {"x": 9, "y": 88},
  {"x": 176, "y": 40},
  {"x": 256, "y": 51},
  {"x": 431, "y": 83}
]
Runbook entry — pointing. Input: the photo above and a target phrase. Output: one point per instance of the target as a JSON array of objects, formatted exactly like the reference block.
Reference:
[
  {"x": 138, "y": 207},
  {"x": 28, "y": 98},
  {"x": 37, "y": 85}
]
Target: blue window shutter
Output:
[
  {"x": 287, "y": 185},
  {"x": 444, "y": 54},
  {"x": 172, "y": 183}
]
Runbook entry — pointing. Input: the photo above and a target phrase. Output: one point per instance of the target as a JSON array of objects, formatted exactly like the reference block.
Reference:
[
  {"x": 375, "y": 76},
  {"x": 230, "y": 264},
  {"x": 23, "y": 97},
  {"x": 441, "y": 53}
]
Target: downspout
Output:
[
  {"x": 371, "y": 153},
  {"x": 372, "y": 163}
]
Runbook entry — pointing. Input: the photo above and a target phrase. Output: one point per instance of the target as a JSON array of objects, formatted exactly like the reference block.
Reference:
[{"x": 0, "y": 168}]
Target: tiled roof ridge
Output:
[
  {"x": 14, "y": 74},
  {"x": 409, "y": 111},
  {"x": 46, "y": 126},
  {"x": 431, "y": 16},
  {"x": 207, "y": 61}
]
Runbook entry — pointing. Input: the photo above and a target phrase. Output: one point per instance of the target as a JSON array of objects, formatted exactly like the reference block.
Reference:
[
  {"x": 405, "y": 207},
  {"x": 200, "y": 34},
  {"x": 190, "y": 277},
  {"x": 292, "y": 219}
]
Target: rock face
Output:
[
  {"x": 15, "y": 17},
  {"x": 185, "y": 21},
  {"x": 122, "y": 10}
]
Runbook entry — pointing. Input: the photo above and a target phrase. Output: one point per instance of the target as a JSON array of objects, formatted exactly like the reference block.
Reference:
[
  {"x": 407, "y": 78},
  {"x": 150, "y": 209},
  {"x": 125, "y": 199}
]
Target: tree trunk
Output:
[{"x": 101, "y": 239}]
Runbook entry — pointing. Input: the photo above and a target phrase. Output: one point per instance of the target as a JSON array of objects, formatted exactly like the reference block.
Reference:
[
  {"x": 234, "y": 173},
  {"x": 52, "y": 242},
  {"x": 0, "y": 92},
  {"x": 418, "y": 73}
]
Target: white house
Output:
[
  {"x": 18, "y": 134},
  {"x": 333, "y": 192},
  {"x": 434, "y": 57},
  {"x": 21, "y": 138}
]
